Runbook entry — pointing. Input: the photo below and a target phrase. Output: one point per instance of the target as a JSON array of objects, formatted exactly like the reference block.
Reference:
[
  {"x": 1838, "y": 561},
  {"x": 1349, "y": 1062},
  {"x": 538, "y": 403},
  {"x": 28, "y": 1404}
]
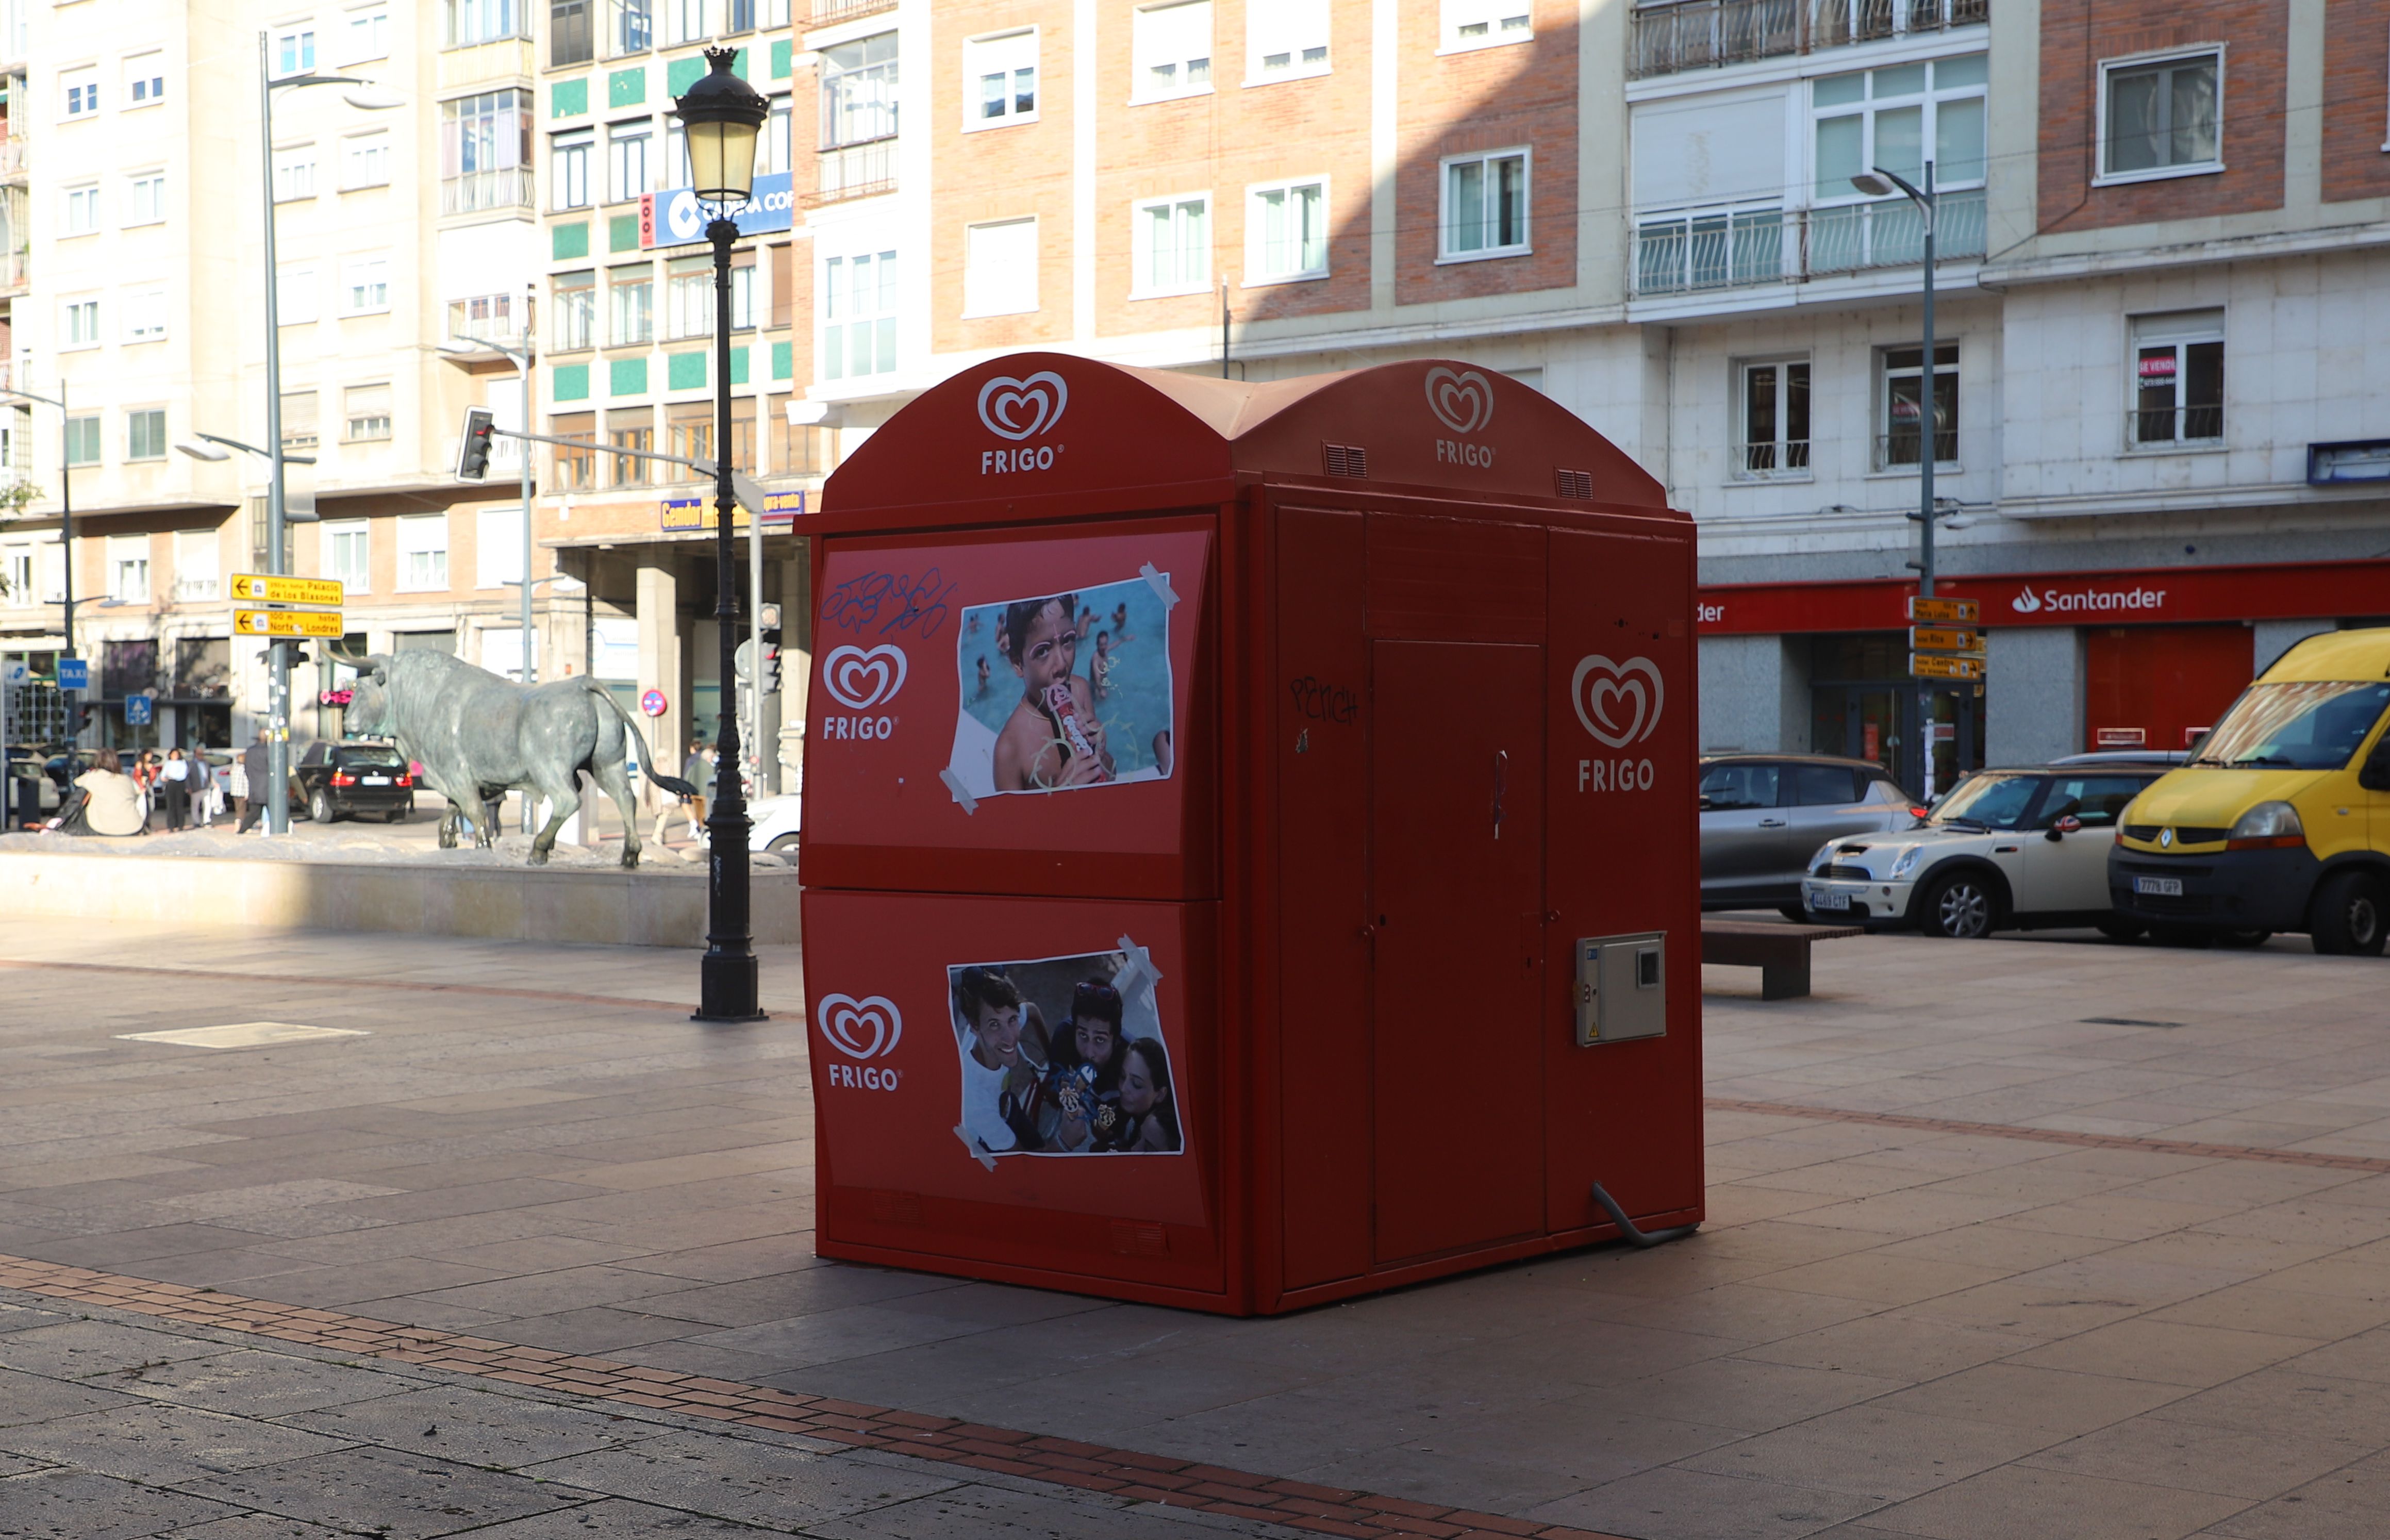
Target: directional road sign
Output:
[
  {"x": 257, "y": 588},
  {"x": 1935, "y": 638},
  {"x": 287, "y": 622},
  {"x": 74, "y": 674},
  {"x": 1944, "y": 611},
  {"x": 1925, "y": 665}
]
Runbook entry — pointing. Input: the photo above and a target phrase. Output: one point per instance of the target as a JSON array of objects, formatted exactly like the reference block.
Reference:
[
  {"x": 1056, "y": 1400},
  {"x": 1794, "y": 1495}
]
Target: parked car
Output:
[
  {"x": 2006, "y": 850},
  {"x": 2282, "y": 822},
  {"x": 774, "y": 824},
  {"x": 1762, "y": 814},
  {"x": 350, "y": 779},
  {"x": 33, "y": 794},
  {"x": 2167, "y": 757}
]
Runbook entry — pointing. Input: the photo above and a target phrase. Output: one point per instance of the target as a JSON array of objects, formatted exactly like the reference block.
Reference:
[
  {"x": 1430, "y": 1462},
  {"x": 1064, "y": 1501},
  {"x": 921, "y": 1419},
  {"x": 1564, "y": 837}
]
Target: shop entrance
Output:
[{"x": 1458, "y": 827}]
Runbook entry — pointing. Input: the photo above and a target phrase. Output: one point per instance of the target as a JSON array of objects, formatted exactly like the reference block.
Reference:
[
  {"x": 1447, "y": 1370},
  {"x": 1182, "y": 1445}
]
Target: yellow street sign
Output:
[
  {"x": 1925, "y": 665},
  {"x": 260, "y": 589},
  {"x": 1944, "y": 611},
  {"x": 1932, "y": 638},
  {"x": 287, "y": 622}
]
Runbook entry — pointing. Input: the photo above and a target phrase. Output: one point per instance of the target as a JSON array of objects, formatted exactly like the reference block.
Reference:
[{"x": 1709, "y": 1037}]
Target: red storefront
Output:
[{"x": 2166, "y": 649}]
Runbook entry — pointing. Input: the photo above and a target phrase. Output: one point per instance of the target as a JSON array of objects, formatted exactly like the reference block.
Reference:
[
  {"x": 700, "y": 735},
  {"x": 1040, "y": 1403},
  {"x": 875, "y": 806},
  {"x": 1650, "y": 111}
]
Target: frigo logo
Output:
[
  {"x": 1619, "y": 703},
  {"x": 1018, "y": 409},
  {"x": 860, "y": 679},
  {"x": 1461, "y": 399},
  {"x": 862, "y": 1030}
]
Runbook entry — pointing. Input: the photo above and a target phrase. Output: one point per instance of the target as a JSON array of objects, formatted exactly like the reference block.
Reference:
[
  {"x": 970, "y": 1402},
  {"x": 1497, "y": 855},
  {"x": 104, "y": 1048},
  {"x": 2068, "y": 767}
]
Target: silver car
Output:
[{"x": 1762, "y": 816}]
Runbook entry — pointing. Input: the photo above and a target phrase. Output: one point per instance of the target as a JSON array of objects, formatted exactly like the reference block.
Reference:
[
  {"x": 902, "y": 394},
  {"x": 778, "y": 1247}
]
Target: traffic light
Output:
[
  {"x": 768, "y": 622},
  {"x": 473, "y": 449}
]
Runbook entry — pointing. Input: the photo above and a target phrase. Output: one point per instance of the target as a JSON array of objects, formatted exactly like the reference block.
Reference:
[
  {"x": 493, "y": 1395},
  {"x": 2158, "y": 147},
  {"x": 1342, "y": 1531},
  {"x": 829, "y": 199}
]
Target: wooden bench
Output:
[{"x": 1780, "y": 951}]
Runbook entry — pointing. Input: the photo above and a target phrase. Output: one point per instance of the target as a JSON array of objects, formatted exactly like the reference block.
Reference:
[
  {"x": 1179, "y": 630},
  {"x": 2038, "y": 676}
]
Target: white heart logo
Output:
[
  {"x": 860, "y": 680},
  {"x": 1023, "y": 408},
  {"x": 867, "y": 1028},
  {"x": 1462, "y": 400},
  {"x": 1599, "y": 703}
]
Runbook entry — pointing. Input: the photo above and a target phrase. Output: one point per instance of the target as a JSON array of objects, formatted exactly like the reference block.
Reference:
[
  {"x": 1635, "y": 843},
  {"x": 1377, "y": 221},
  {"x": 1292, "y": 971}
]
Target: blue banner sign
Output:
[
  {"x": 697, "y": 513},
  {"x": 674, "y": 217}
]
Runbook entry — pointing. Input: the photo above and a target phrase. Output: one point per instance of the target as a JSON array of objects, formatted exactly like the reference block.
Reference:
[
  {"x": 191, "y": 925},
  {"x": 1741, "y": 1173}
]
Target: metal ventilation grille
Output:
[
  {"x": 1575, "y": 483},
  {"x": 1345, "y": 459}
]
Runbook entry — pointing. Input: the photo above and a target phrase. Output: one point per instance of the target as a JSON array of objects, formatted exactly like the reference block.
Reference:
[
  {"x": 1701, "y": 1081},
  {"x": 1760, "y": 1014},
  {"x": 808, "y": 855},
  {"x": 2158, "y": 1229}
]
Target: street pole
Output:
[
  {"x": 1932, "y": 433},
  {"x": 278, "y": 742},
  {"x": 66, "y": 554},
  {"x": 755, "y": 635},
  {"x": 727, "y": 976}
]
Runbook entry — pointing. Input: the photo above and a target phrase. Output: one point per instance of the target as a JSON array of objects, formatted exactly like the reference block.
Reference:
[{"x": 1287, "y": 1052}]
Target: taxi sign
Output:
[
  {"x": 258, "y": 588},
  {"x": 1935, "y": 638},
  {"x": 1944, "y": 611},
  {"x": 287, "y": 622},
  {"x": 1925, "y": 665}
]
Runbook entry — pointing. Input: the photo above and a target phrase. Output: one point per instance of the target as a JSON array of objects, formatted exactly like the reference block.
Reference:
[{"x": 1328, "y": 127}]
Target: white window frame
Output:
[
  {"x": 1305, "y": 57},
  {"x": 199, "y": 564},
  {"x": 77, "y": 316},
  {"x": 1867, "y": 109},
  {"x": 85, "y": 197},
  {"x": 426, "y": 535},
  {"x": 134, "y": 216},
  {"x": 619, "y": 280},
  {"x": 2101, "y": 177},
  {"x": 16, "y": 568},
  {"x": 574, "y": 303},
  {"x": 1880, "y": 412},
  {"x": 78, "y": 93},
  {"x": 685, "y": 22},
  {"x": 1781, "y": 448},
  {"x": 128, "y": 556},
  {"x": 302, "y": 52},
  {"x": 159, "y": 453},
  {"x": 498, "y": 558},
  {"x": 1256, "y": 274},
  {"x": 619, "y": 137},
  {"x": 369, "y": 150},
  {"x": 568, "y": 155},
  {"x": 349, "y": 417},
  {"x": 360, "y": 39},
  {"x": 293, "y": 164},
  {"x": 999, "y": 54},
  {"x": 337, "y": 534},
  {"x": 2178, "y": 330},
  {"x": 298, "y": 295},
  {"x": 689, "y": 298},
  {"x": 832, "y": 330},
  {"x": 1141, "y": 244},
  {"x": 144, "y": 315},
  {"x": 977, "y": 301},
  {"x": 368, "y": 271},
  {"x": 1525, "y": 245},
  {"x": 1491, "y": 15},
  {"x": 1143, "y": 57},
  {"x": 145, "y": 72}
]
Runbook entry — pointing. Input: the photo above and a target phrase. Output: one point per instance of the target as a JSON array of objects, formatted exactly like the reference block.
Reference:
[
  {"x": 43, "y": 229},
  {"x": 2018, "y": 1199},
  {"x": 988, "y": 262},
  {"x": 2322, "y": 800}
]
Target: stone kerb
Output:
[{"x": 598, "y": 905}]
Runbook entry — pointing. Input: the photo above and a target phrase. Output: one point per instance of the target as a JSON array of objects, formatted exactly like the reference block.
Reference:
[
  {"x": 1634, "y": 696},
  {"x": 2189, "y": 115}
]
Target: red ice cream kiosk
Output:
[{"x": 1250, "y": 842}]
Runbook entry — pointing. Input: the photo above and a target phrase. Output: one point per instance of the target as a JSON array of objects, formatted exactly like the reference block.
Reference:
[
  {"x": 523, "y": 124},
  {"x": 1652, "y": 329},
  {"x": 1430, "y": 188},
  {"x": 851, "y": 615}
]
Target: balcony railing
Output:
[
  {"x": 856, "y": 171},
  {"x": 825, "y": 12},
  {"x": 510, "y": 188},
  {"x": 1700, "y": 34},
  {"x": 1903, "y": 447},
  {"x": 1775, "y": 460},
  {"x": 15, "y": 272},
  {"x": 2171, "y": 427},
  {"x": 12, "y": 157},
  {"x": 1744, "y": 247}
]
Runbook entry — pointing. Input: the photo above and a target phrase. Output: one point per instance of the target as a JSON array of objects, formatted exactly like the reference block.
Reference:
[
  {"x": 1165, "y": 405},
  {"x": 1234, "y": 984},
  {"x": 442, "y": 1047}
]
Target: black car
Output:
[{"x": 353, "y": 779}]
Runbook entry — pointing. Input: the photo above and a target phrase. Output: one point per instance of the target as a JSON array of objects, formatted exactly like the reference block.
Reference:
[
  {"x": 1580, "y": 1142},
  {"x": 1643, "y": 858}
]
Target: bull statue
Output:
[{"x": 479, "y": 735}]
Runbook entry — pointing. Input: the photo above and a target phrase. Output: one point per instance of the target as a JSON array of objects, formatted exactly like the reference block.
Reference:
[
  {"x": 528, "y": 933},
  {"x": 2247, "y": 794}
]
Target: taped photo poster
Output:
[
  {"x": 1064, "y": 1055},
  {"x": 1065, "y": 691}
]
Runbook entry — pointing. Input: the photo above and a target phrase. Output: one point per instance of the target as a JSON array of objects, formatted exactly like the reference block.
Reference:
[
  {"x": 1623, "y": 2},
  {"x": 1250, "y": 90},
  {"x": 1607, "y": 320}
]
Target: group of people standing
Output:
[{"x": 114, "y": 799}]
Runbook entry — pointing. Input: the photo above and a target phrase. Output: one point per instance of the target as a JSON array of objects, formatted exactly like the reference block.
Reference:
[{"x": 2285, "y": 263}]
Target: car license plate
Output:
[
  {"x": 1824, "y": 899},
  {"x": 376, "y": 780},
  {"x": 2163, "y": 887}
]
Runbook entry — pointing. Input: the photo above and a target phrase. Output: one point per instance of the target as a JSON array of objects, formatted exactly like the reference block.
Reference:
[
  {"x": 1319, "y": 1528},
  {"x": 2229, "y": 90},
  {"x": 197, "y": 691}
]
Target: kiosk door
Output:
[{"x": 1457, "y": 831}]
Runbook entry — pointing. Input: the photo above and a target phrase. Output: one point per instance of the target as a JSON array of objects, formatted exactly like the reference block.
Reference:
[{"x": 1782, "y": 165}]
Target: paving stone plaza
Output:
[{"x": 2041, "y": 1237}]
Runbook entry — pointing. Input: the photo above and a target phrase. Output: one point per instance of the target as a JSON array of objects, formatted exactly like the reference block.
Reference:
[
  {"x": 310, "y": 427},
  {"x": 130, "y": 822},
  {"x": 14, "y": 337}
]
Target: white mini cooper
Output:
[{"x": 2004, "y": 850}]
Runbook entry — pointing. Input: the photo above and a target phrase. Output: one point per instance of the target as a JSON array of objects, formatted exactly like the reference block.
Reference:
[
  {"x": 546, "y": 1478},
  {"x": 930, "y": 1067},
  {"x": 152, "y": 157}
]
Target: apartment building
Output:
[
  {"x": 146, "y": 187},
  {"x": 1647, "y": 211}
]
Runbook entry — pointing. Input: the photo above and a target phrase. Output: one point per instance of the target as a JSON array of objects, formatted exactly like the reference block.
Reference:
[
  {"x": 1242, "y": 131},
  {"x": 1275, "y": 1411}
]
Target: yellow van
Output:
[{"x": 2282, "y": 822}]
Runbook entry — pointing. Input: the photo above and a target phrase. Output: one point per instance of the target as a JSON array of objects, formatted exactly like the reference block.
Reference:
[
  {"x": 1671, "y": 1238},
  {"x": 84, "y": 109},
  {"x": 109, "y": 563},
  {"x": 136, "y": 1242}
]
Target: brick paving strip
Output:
[
  {"x": 2055, "y": 1135},
  {"x": 1120, "y": 1473}
]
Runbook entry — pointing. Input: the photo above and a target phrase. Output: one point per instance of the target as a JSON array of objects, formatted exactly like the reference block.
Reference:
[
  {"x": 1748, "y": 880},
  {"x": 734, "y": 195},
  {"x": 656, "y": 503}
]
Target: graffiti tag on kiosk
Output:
[
  {"x": 1322, "y": 701},
  {"x": 891, "y": 604}
]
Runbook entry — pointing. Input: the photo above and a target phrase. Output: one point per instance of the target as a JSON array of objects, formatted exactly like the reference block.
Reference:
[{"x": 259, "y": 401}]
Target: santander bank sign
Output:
[{"x": 2097, "y": 600}]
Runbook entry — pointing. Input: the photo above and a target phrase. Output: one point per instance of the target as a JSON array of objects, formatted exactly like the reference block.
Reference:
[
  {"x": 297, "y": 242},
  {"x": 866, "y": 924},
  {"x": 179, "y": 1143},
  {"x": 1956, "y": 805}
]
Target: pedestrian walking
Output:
[
  {"x": 144, "y": 773},
  {"x": 174, "y": 789},
  {"x": 207, "y": 798},
  {"x": 253, "y": 789}
]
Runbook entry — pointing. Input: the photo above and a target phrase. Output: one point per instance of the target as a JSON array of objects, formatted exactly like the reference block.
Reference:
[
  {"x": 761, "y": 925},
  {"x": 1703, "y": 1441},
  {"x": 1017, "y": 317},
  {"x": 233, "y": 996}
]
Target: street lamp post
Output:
[
  {"x": 722, "y": 116},
  {"x": 66, "y": 538},
  {"x": 369, "y": 97},
  {"x": 1880, "y": 183}
]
